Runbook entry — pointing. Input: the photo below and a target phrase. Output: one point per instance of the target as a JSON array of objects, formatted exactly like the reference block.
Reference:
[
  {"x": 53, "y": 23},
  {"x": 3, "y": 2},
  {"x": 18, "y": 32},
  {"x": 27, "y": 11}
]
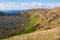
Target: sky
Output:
[{"x": 27, "y": 4}]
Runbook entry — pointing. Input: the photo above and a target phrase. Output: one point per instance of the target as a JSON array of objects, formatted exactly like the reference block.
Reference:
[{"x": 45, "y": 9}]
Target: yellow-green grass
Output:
[
  {"x": 34, "y": 19},
  {"x": 52, "y": 34}
]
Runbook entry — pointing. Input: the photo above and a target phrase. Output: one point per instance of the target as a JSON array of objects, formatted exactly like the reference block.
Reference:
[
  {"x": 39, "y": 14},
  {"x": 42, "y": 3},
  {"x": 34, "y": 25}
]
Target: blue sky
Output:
[
  {"x": 43, "y": 1},
  {"x": 27, "y": 4}
]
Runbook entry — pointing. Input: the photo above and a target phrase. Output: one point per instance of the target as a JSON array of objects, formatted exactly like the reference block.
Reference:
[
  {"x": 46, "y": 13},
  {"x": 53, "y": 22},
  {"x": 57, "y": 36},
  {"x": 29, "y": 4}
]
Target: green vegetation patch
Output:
[{"x": 33, "y": 20}]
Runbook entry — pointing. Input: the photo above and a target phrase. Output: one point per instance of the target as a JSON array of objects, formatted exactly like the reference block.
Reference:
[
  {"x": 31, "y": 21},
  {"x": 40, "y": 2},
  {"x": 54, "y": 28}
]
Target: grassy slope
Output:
[
  {"x": 31, "y": 25},
  {"x": 52, "y": 34},
  {"x": 34, "y": 19},
  {"x": 51, "y": 21}
]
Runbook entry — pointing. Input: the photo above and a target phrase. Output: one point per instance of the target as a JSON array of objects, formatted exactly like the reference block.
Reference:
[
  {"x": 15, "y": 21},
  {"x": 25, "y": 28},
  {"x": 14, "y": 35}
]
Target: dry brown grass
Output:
[
  {"x": 50, "y": 25},
  {"x": 52, "y": 34}
]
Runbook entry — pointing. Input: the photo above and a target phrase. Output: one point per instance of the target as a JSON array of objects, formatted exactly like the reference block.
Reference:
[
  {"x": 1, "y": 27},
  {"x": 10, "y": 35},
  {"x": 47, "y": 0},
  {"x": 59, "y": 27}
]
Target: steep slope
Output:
[
  {"x": 52, "y": 34},
  {"x": 30, "y": 21},
  {"x": 50, "y": 26},
  {"x": 52, "y": 19},
  {"x": 23, "y": 22}
]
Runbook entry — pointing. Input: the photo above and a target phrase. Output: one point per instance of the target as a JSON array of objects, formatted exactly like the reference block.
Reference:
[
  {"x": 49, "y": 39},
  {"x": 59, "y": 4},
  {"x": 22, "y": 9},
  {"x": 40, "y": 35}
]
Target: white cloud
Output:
[
  {"x": 9, "y": 6},
  {"x": 26, "y": 5}
]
